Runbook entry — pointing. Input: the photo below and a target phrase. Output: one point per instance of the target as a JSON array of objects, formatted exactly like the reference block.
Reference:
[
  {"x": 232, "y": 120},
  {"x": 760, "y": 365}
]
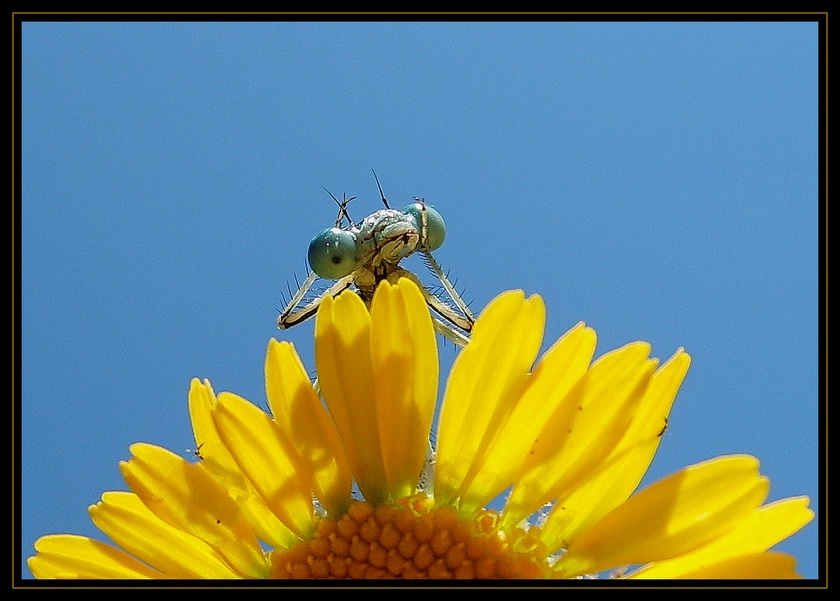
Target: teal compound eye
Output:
[
  {"x": 435, "y": 226},
  {"x": 332, "y": 253}
]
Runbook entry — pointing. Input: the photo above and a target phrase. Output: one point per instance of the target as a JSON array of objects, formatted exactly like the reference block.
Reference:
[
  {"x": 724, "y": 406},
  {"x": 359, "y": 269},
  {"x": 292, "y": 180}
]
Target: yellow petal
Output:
[
  {"x": 267, "y": 458},
  {"x": 209, "y": 445},
  {"x": 71, "y": 556},
  {"x": 486, "y": 380},
  {"x": 405, "y": 367},
  {"x": 217, "y": 460},
  {"x": 678, "y": 514},
  {"x": 184, "y": 495},
  {"x": 759, "y": 566},
  {"x": 620, "y": 474},
  {"x": 756, "y": 533},
  {"x": 574, "y": 512},
  {"x": 584, "y": 430},
  {"x": 299, "y": 413},
  {"x": 651, "y": 417},
  {"x": 548, "y": 386},
  {"x": 132, "y": 525},
  {"x": 345, "y": 374}
]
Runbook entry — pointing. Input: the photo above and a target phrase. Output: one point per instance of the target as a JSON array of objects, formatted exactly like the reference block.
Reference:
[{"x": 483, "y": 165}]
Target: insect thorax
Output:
[{"x": 366, "y": 281}]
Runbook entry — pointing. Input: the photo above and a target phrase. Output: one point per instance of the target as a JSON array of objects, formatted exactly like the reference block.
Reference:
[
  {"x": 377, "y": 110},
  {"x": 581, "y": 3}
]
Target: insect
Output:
[{"x": 362, "y": 255}]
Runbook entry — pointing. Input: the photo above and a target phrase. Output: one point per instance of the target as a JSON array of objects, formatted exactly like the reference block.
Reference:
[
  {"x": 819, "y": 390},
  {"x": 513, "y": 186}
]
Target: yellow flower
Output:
[{"x": 348, "y": 486}]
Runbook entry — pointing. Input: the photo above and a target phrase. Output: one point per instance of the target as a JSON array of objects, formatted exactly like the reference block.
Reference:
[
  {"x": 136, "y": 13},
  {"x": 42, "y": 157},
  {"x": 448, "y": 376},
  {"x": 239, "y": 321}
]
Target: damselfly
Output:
[{"x": 363, "y": 255}]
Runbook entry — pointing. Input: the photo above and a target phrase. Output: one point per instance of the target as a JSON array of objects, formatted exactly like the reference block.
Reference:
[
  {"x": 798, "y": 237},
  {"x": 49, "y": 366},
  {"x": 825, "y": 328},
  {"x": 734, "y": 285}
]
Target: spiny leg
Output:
[
  {"x": 289, "y": 317},
  {"x": 447, "y": 331},
  {"x": 448, "y": 286}
]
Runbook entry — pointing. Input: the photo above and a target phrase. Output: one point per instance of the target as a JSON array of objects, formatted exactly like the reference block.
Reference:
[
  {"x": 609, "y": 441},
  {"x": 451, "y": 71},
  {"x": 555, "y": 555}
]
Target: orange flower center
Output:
[{"x": 412, "y": 539}]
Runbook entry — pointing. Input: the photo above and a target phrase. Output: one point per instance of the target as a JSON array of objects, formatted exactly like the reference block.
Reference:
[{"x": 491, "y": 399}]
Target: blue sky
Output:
[{"x": 658, "y": 181}]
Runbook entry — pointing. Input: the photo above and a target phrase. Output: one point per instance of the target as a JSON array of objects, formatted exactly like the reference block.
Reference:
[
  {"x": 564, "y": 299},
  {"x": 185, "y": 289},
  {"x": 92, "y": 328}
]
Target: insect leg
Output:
[
  {"x": 450, "y": 289},
  {"x": 289, "y": 317},
  {"x": 446, "y": 330}
]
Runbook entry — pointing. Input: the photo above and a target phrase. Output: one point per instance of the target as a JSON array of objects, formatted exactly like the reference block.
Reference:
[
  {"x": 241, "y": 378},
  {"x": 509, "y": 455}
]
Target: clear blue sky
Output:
[{"x": 656, "y": 180}]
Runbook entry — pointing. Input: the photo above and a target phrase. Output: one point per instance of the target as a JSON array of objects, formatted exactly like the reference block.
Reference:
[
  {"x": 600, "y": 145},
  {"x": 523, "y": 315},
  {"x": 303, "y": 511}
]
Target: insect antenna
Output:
[
  {"x": 342, "y": 209},
  {"x": 381, "y": 193}
]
